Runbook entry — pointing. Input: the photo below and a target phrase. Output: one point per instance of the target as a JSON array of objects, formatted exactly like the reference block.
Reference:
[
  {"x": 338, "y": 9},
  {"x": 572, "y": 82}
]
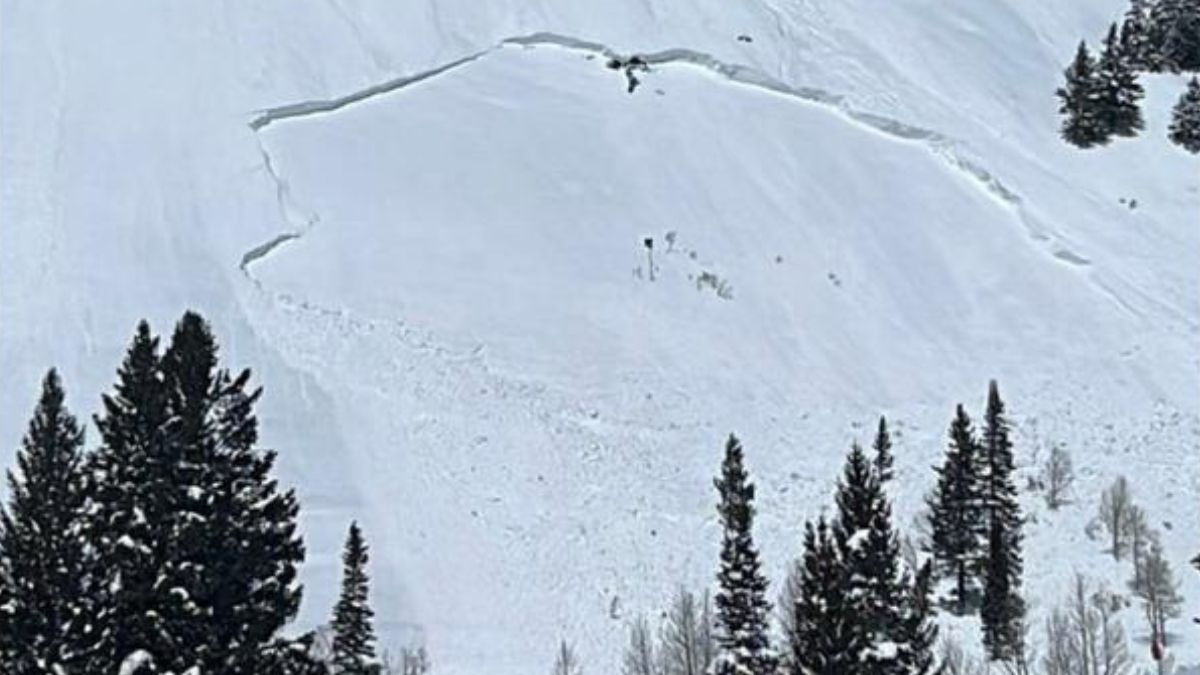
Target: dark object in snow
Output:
[
  {"x": 614, "y": 63},
  {"x": 648, "y": 242},
  {"x": 744, "y": 38}
]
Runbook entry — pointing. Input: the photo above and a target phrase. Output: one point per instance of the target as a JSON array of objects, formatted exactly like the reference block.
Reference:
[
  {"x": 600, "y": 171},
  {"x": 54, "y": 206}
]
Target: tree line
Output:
[
  {"x": 1101, "y": 96},
  {"x": 170, "y": 547}
]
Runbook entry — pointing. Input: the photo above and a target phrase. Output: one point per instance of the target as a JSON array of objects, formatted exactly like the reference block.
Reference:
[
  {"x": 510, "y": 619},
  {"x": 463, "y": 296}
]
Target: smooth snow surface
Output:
[{"x": 422, "y": 224}]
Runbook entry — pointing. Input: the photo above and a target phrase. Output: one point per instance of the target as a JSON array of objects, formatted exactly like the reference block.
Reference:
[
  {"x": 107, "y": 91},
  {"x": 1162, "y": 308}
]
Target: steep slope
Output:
[{"x": 423, "y": 223}]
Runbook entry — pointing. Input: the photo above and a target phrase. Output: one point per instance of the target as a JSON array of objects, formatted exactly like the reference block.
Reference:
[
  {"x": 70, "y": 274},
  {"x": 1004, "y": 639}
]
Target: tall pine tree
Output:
[
  {"x": 957, "y": 520},
  {"x": 1175, "y": 30},
  {"x": 1082, "y": 97},
  {"x": 882, "y": 445},
  {"x": 135, "y": 594},
  {"x": 353, "y": 631},
  {"x": 870, "y": 550},
  {"x": 824, "y": 636},
  {"x": 1003, "y": 609},
  {"x": 238, "y": 539},
  {"x": 41, "y": 553},
  {"x": 1185, "y": 119},
  {"x": 744, "y": 646},
  {"x": 1122, "y": 93}
]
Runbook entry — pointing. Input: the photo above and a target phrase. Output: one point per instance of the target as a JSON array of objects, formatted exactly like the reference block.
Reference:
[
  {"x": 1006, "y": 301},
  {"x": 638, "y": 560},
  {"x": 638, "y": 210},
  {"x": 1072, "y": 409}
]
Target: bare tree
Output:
[
  {"x": 1141, "y": 536},
  {"x": 956, "y": 662},
  {"x": 1115, "y": 503},
  {"x": 1060, "y": 475},
  {"x": 1085, "y": 638},
  {"x": 1159, "y": 592},
  {"x": 639, "y": 653},
  {"x": 410, "y": 662},
  {"x": 565, "y": 662},
  {"x": 686, "y": 644}
]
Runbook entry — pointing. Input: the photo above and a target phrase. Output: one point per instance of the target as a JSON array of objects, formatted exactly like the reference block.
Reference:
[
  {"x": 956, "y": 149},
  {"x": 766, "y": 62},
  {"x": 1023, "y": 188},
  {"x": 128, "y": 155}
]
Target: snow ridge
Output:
[{"x": 950, "y": 150}]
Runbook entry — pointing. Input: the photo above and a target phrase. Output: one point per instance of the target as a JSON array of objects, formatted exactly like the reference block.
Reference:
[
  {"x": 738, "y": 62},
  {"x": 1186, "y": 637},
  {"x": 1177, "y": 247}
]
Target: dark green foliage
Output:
[
  {"x": 1175, "y": 34},
  {"x": 1003, "y": 609},
  {"x": 744, "y": 646},
  {"x": 1185, "y": 119},
  {"x": 353, "y": 630},
  {"x": 41, "y": 553},
  {"x": 1122, "y": 114},
  {"x": 919, "y": 629},
  {"x": 825, "y": 636},
  {"x": 956, "y": 511},
  {"x": 196, "y": 550},
  {"x": 239, "y": 532},
  {"x": 882, "y": 445},
  {"x": 131, "y": 517},
  {"x": 1082, "y": 105}
]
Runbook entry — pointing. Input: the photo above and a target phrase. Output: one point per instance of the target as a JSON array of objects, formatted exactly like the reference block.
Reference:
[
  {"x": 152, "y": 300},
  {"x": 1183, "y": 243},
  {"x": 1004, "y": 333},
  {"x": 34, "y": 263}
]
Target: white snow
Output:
[{"x": 422, "y": 224}]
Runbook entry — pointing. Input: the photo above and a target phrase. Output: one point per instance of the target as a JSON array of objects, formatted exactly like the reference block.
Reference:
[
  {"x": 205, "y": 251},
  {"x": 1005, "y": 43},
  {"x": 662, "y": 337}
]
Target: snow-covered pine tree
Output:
[
  {"x": 133, "y": 592},
  {"x": 1175, "y": 31},
  {"x": 353, "y": 630},
  {"x": 1136, "y": 35},
  {"x": 1082, "y": 102},
  {"x": 1185, "y": 119},
  {"x": 744, "y": 646},
  {"x": 824, "y": 635},
  {"x": 1003, "y": 609},
  {"x": 919, "y": 629},
  {"x": 870, "y": 550},
  {"x": 238, "y": 537},
  {"x": 1122, "y": 113},
  {"x": 955, "y": 512},
  {"x": 41, "y": 553},
  {"x": 882, "y": 445}
]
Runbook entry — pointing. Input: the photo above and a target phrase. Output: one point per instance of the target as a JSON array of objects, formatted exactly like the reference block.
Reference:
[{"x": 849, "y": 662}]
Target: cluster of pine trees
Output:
[
  {"x": 852, "y": 604},
  {"x": 170, "y": 547},
  {"x": 975, "y": 528},
  {"x": 1101, "y": 96}
]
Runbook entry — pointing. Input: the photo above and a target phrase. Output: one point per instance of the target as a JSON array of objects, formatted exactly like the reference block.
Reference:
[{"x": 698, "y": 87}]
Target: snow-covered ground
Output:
[{"x": 422, "y": 223}]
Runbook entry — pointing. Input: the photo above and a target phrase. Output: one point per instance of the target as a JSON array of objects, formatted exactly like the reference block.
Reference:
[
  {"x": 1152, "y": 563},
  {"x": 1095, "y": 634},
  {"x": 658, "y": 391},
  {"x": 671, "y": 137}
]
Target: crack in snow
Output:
[{"x": 949, "y": 149}]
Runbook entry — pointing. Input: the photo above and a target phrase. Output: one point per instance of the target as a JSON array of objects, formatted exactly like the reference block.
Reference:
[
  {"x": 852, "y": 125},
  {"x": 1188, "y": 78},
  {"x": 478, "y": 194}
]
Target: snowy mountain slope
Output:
[{"x": 457, "y": 350}]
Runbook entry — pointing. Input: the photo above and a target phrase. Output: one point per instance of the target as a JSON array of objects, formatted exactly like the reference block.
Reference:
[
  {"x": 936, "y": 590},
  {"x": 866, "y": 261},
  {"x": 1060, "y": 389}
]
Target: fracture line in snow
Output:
[{"x": 941, "y": 145}]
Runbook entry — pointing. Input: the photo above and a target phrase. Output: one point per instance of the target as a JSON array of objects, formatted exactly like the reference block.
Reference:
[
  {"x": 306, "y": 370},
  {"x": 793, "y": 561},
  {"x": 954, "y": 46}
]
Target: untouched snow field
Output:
[{"x": 422, "y": 224}]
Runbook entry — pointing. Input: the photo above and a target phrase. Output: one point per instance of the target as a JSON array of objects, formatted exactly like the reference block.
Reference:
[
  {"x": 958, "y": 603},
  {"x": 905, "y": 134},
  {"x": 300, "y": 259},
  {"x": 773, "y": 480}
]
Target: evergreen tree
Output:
[
  {"x": 1185, "y": 119},
  {"x": 999, "y": 491},
  {"x": 956, "y": 517},
  {"x": 1136, "y": 36},
  {"x": 133, "y": 594},
  {"x": 238, "y": 537},
  {"x": 1003, "y": 609},
  {"x": 196, "y": 550},
  {"x": 882, "y": 445},
  {"x": 919, "y": 630},
  {"x": 744, "y": 646},
  {"x": 825, "y": 637},
  {"x": 41, "y": 554},
  {"x": 353, "y": 632},
  {"x": 1082, "y": 99},
  {"x": 1121, "y": 90},
  {"x": 1175, "y": 32},
  {"x": 870, "y": 550}
]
